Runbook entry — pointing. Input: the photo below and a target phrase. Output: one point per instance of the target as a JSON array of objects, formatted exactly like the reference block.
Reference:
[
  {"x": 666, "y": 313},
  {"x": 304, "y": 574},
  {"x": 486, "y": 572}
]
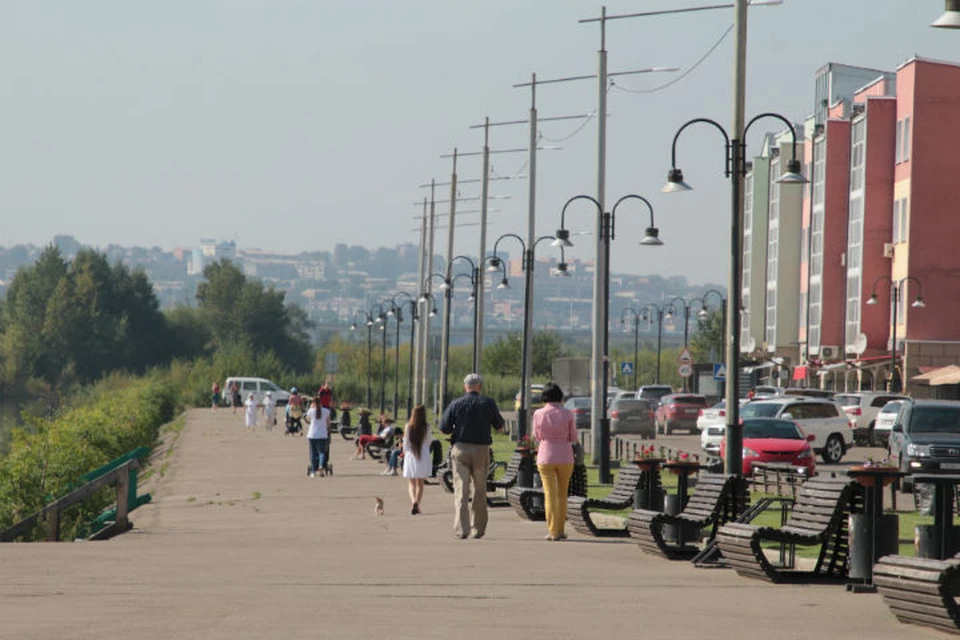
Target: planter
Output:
[
  {"x": 684, "y": 467},
  {"x": 874, "y": 476},
  {"x": 648, "y": 464}
]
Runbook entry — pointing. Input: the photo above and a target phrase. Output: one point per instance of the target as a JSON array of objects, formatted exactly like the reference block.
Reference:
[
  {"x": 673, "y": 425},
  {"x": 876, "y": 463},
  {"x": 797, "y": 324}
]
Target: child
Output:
[
  {"x": 270, "y": 411},
  {"x": 251, "y": 412}
]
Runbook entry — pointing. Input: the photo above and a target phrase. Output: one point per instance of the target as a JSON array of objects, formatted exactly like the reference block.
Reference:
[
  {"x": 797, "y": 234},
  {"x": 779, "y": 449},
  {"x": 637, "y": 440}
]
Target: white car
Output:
[
  {"x": 863, "y": 407},
  {"x": 820, "y": 418},
  {"x": 884, "y": 422},
  {"x": 712, "y": 424},
  {"x": 258, "y": 387}
]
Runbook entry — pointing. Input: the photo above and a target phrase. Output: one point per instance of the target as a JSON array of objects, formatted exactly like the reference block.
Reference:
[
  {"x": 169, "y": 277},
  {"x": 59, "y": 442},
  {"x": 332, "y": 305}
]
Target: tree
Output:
[
  {"x": 547, "y": 346},
  {"x": 706, "y": 344}
]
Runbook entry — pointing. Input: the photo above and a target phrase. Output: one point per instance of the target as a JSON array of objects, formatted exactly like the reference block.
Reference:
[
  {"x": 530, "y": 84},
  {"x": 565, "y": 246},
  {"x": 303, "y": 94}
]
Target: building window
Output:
[
  {"x": 855, "y": 232},
  {"x": 896, "y": 221},
  {"x": 899, "y": 143},
  {"x": 815, "y": 297},
  {"x": 905, "y": 154},
  {"x": 773, "y": 252}
]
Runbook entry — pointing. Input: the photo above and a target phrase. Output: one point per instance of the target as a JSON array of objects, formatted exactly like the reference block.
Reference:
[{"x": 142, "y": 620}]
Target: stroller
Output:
[{"x": 295, "y": 419}]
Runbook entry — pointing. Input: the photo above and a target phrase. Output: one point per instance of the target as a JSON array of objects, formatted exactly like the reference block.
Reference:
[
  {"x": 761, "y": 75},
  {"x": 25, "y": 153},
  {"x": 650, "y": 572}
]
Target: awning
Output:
[
  {"x": 832, "y": 368},
  {"x": 944, "y": 375},
  {"x": 765, "y": 365},
  {"x": 800, "y": 373}
]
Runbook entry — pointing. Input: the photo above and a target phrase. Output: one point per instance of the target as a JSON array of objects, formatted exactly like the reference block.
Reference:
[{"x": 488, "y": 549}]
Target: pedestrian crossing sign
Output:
[
  {"x": 719, "y": 371},
  {"x": 626, "y": 368}
]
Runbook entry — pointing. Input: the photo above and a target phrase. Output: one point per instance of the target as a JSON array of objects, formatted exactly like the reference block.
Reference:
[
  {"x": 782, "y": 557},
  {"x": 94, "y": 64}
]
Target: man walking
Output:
[{"x": 468, "y": 420}]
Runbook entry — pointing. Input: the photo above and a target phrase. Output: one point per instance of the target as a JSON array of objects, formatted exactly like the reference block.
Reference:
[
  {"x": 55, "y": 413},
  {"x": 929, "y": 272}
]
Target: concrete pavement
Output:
[{"x": 239, "y": 543}]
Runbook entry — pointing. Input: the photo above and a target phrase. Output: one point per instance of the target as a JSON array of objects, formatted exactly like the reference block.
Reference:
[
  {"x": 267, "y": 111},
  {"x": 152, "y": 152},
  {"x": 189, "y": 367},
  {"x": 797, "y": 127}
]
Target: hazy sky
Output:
[{"x": 292, "y": 125}]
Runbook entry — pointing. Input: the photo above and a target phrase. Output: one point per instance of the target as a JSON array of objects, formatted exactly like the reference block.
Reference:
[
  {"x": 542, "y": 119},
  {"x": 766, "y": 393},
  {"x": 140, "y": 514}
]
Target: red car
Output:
[
  {"x": 679, "y": 411},
  {"x": 774, "y": 440}
]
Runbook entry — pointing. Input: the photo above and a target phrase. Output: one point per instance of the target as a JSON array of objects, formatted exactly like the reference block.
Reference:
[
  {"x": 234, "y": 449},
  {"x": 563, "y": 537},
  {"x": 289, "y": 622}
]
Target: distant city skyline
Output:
[{"x": 291, "y": 125}]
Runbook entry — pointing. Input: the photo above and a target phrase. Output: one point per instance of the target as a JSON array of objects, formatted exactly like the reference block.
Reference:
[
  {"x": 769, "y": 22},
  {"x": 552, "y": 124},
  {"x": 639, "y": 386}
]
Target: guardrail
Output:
[{"x": 118, "y": 476}]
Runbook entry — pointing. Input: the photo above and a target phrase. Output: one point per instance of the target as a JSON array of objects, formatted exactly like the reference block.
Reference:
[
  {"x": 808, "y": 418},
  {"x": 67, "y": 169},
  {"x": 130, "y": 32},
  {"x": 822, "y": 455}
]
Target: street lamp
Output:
[
  {"x": 381, "y": 321},
  {"x": 636, "y": 338},
  {"x": 896, "y": 288},
  {"x": 368, "y": 321},
  {"x": 655, "y": 313},
  {"x": 735, "y": 169},
  {"x": 951, "y": 15},
  {"x": 526, "y": 337},
  {"x": 703, "y": 314},
  {"x": 606, "y": 224},
  {"x": 397, "y": 311}
]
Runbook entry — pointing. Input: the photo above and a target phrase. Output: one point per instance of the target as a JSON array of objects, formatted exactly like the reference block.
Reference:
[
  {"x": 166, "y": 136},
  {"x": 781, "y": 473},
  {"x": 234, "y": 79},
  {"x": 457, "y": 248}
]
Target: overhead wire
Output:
[{"x": 683, "y": 75}]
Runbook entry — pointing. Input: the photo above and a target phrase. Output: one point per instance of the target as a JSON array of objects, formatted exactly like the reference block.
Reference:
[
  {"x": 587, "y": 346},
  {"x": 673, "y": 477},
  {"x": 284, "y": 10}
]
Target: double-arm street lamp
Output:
[
  {"x": 735, "y": 169},
  {"x": 526, "y": 337},
  {"x": 368, "y": 320},
  {"x": 381, "y": 321},
  {"x": 655, "y": 313},
  {"x": 396, "y": 309},
  {"x": 703, "y": 314},
  {"x": 606, "y": 224},
  {"x": 896, "y": 291},
  {"x": 636, "y": 338}
]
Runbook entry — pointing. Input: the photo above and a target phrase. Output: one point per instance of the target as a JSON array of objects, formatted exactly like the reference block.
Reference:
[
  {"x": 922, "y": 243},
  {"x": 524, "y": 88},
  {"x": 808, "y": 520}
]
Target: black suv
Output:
[{"x": 926, "y": 438}]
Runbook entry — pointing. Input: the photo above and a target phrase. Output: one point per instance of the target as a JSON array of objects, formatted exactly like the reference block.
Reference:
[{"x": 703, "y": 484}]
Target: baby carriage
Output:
[{"x": 295, "y": 419}]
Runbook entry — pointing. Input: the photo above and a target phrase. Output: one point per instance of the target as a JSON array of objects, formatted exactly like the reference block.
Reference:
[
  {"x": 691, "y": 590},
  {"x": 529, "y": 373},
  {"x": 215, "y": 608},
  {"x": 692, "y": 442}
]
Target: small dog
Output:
[{"x": 378, "y": 506}]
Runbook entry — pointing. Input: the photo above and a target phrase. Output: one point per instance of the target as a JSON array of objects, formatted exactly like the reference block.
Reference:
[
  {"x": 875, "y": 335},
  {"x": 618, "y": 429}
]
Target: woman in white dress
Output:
[{"x": 417, "y": 462}]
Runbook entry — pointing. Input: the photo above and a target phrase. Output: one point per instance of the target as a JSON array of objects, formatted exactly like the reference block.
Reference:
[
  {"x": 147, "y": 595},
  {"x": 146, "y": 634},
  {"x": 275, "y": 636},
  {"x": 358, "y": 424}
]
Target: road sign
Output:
[
  {"x": 626, "y": 368},
  {"x": 685, "y": 370},
  {"x": 685, "y": 357},
  {"x": 719, "y": 371}
]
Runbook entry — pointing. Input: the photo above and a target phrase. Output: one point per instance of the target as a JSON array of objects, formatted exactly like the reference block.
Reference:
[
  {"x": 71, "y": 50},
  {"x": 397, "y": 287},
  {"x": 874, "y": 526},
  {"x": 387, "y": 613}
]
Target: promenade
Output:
[{"x": 239, "y": 543}]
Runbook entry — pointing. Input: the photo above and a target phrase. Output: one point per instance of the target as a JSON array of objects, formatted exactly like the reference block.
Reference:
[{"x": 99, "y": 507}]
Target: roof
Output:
[{"x": 944, "y": 375}]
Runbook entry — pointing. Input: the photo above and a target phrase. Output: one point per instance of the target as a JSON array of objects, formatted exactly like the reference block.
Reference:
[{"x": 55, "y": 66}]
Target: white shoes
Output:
[{"x": 313, "y": 475}]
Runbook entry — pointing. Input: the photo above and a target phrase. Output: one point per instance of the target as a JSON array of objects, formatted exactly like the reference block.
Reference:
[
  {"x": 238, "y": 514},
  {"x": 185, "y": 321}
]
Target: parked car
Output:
[
  {"x": 712, "y": 424},
  {"x": 885, "y": 421},
  {"x": 258, "y": 387},
  {"x": 863, "y": 407},
  {"x": 631, "y": 415},
  {"x": 536, "y": 398},
  {"x": 580, "y": 405},
  {"x": 775, "y": 440},
  {"x": 653, "y": 392},
  {"x": 822, "y": 419},
  {"x": 809, "y": 393},
  {"x": 679, "y": 411},
  {"x": 926, "y": 438}
]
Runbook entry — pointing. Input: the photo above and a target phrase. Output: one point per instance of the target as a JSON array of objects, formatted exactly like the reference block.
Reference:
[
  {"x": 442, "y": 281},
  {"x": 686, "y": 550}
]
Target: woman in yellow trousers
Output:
[{"x": 556, "y": 431}]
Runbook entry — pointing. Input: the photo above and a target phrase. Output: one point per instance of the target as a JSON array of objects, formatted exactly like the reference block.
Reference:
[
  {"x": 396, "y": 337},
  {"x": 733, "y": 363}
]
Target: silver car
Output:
[{"x": 632, "y": 415}]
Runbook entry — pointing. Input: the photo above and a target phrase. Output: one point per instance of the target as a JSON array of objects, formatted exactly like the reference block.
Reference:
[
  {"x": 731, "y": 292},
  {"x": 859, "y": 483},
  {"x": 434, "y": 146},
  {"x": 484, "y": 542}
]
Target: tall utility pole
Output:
[
  {"x": 448, "y": 278},
  {"x": 478, "y": 303},
  {"x": 734, "y": 430},
  {"x": 523, "y": 419},
  {"x": 427, "y": 285},
  {"x": 415, "y": 351}
]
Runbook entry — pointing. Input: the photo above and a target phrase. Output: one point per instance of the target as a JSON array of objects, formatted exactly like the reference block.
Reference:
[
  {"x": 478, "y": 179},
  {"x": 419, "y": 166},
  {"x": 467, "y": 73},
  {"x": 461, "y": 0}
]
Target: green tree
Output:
[{"x": 706, "y": 344}]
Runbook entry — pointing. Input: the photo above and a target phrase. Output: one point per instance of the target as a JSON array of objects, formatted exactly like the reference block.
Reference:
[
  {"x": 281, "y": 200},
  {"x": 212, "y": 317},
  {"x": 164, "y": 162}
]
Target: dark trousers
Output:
[{"x": 319, "y": 451}]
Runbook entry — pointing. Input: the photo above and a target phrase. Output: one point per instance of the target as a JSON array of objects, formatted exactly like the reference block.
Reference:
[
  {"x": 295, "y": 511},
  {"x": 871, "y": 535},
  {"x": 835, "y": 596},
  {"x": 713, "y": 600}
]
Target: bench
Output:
[
  {"x": 819, "y": 517},
  {"x": 379, "y": 450},
  {"x": 716, "y": 500},
  {"x": 508, "y": 479},
  {"x": 620, "y": 497},
  {"x": 921, "y": 590},
  {"x": 528, "y": 501}
]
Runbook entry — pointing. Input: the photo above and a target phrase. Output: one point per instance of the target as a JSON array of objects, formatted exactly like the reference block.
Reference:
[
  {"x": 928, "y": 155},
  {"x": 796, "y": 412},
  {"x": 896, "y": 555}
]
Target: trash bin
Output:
[
  {"x": 870, "y": 540},
  {"x": 926, "y": 541},
  {"x": 680, "y": 533}
]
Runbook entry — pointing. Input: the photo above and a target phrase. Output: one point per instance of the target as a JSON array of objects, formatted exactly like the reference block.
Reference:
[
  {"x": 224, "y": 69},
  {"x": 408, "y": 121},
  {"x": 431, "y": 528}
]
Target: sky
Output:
[{"x": 292, "y": 125}]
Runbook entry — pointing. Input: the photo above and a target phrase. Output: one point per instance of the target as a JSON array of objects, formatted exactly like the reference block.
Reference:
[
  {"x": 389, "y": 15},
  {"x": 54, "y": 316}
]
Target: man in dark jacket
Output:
[{"x": 468, "y": 420}]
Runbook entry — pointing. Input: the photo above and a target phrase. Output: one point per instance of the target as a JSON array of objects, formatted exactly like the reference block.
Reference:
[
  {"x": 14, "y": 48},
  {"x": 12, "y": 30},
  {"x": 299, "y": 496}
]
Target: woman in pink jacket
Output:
[{"x": 555, "y": 430}]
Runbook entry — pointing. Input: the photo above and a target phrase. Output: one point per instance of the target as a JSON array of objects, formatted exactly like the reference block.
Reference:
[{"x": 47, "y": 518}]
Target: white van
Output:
[{"x": 258, "y": 387}]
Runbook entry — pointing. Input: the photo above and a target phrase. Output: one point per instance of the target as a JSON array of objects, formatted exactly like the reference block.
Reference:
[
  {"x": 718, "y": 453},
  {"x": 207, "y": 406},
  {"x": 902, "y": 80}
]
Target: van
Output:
[
  {"x": 653, "y": 392},
  {"x": 258, "y": 387}
]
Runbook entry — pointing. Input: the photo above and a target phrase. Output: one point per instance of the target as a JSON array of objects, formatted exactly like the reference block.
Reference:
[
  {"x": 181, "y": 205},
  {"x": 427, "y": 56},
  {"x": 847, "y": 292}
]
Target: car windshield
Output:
[
  {"x": 848, "y": 401},
  {"x": 654, "y": 393},
  {"x": 269, "y": 386},
  {"x": 780, "y": 429},
  {"x": 760, "y": 410},
  {"x": 631, "y": 405},
  {"x": 891, "y": 407},
  {"x": 935, "y": 420}
]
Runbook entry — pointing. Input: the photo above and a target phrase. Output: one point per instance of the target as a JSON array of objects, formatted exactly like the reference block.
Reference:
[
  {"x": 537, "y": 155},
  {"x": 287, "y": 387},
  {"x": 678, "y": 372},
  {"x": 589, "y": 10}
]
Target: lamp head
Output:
[
  {"x": 391, "y": 313},
  {"x": 472, "y": 297},
  {"x": 444, "y": 285},
  {"x": 433, "y": 312},
  {"x": 563, "y": 238},
  {"x": 918, "y": 303},
  {"x": 651, "y": 238},
  {"x": 424, "y": 297},
  {"x": 702, "y": 314},
  {"x": 793, "y": 174},
  {"x": 562, "y": 270},
  {"x": 951, "y": 16},
  {"x": 873, "y": 299},
  {"x": 495, "y": 264},
  {"x": 353, "y": 326},
  {"x": 675, "y": 182},
  {"x": 504, "y": 284}
]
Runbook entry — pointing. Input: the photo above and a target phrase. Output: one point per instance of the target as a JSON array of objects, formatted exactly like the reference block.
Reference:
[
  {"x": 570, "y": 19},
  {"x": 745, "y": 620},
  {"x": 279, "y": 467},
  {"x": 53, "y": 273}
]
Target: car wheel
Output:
[{"x": 833, "y": 450}]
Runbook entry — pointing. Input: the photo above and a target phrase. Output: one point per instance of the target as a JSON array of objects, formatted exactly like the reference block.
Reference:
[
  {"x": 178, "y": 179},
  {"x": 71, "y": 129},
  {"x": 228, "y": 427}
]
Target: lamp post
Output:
[
  {"x": 636, "y": 339},
  {"x": 672, "y": 307},
  {"x": 381, "y": 321},
  {"x": 896, "y": 290},
  {"x": 606, "y": 224},
  {"x": 526, "y": 337},
  {"x": 703, "y": 314},
  {"x": 655, "y": 313},
  {"x": 412, "y": 302},
  {"x": 735, "y": 170},
  {"x": 368, "y": 321}
]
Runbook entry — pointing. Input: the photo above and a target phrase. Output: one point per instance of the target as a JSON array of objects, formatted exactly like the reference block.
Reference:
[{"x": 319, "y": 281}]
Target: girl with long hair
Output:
[{"x": 417, "y": 462}]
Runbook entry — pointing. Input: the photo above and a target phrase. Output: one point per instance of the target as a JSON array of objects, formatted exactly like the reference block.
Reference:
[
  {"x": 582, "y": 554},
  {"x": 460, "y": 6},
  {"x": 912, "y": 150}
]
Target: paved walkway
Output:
[{"x": 238, "y": 543}]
